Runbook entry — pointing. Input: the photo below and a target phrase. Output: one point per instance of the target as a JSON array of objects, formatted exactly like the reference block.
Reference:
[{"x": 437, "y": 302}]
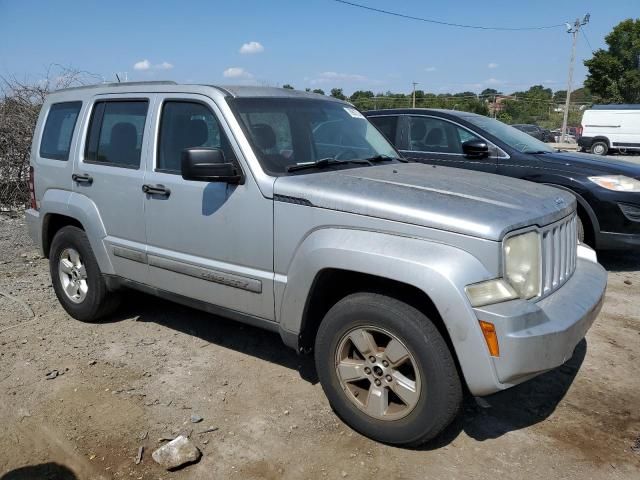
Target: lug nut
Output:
[
  {"x": 372, "y": 359},
  {"x": 388, "y": 378},
  {"x": 377, "y": 382},
  {"x": 367, "y": 370},
  {"x": 385, "y": 363}
]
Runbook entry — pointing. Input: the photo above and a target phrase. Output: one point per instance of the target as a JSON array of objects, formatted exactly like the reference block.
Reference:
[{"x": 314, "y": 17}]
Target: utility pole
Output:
[
  {"x": 573, "y": 30},
  {"x": 414, "y": 94}
]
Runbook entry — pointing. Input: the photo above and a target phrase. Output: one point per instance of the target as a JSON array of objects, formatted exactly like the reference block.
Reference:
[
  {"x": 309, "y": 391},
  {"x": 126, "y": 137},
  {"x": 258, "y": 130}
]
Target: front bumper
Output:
[
  {"x": 535, "y": 337},
  {"x": 585, "y": 142}
]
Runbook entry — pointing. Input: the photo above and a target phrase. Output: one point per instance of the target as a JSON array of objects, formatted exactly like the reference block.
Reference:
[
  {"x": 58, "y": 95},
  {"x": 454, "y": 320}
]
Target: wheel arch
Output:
[
  {"x": 333, "y": 263},
  {"x": 60, "y": 208}
]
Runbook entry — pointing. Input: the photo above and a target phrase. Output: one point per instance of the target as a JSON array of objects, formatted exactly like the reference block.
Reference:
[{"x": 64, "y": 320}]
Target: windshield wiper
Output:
[
  {"x": 537, "y": 152},
  {"x": 385, "y": 158},
  {"x": 324, "y": 163}
]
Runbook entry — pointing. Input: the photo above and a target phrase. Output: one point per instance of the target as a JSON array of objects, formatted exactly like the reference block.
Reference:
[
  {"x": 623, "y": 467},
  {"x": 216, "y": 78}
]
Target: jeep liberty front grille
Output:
[{"x": 559, "y": 253}]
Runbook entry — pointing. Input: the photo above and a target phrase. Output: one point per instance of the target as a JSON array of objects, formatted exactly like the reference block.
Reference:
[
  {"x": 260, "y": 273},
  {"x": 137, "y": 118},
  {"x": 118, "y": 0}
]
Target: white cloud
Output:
[
  {"x": 236, "y": 72},
  {"x": 327, "y": 77},
  {"x": 492, "y": 65},
  {"x": 251, "y": 47},
  {"x": 494, "y": 81},
  {"x": 142, "y": 65},
  {"x": 430, "y": 69}
]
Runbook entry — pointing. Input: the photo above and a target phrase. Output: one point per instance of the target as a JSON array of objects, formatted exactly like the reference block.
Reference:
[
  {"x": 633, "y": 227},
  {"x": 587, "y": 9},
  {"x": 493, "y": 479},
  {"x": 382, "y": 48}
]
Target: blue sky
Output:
[{"x": 307, "y": 43}]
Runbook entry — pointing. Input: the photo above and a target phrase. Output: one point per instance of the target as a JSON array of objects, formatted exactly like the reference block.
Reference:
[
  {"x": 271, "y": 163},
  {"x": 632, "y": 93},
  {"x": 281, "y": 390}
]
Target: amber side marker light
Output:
[{"x": 489, "y": 332}]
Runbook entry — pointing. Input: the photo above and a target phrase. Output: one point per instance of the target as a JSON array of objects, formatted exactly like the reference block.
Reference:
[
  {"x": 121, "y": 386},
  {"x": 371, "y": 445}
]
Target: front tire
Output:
[
  {"x": 599, "y": 147},
  {"x": 386, "y": 370},
  {"x": 76, "y": 277}
]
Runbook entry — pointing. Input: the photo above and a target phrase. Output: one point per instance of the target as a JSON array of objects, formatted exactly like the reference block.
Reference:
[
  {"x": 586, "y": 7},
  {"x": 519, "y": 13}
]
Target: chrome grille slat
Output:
[{"x": 559, "y": 249}]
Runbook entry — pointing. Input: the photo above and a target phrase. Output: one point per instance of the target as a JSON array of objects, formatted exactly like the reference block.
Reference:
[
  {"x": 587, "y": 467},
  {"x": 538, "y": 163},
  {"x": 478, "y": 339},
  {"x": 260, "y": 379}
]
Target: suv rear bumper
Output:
[
  {"x": 535, "y": 337},
  {"x": 32, "y": 219}
]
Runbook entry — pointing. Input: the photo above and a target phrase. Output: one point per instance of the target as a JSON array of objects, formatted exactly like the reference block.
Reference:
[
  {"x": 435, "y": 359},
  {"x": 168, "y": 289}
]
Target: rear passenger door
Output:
[
  {"x": 111, "y": 171},
  {"x": 210, "y": 241},
  {"x": 439, "y": 141}
]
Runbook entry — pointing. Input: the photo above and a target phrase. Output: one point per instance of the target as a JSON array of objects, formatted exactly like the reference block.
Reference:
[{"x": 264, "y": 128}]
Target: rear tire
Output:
[
  {"x": 599, "y": 147},
  {"x": 406, "y": 398},
  {"x": 76, "y": 277}
]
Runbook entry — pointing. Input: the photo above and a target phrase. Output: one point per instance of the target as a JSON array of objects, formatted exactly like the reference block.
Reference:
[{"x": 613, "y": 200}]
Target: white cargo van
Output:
[{"x": 610, "y": 127}]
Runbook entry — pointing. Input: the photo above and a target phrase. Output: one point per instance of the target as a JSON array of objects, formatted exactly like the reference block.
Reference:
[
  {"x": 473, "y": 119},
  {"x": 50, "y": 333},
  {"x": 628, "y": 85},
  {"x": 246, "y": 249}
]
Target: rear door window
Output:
[
  {"x": 58, "y": 130},
  {"x": 115, "y": 133}
]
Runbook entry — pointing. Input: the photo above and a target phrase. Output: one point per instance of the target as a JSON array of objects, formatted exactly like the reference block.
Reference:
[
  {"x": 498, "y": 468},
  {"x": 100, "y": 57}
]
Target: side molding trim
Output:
[{"x": 216, "y": 276}]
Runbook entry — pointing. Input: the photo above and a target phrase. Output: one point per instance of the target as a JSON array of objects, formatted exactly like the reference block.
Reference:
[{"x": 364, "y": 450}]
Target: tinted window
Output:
[
  {"x": 115, "y": 133},
  {"x": 388, "y": 125},
  {"x": 509, "y": 135},
  {"x": 428, "y": 134},
  {"x": 287, "y": 131},
  {"x": 185, "y": 125},
  {"x": 58, "y": 130}
]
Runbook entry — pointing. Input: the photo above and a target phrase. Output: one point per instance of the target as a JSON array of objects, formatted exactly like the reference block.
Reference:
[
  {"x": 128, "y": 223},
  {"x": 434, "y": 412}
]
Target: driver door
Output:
[{"x": 210, "y": 241}]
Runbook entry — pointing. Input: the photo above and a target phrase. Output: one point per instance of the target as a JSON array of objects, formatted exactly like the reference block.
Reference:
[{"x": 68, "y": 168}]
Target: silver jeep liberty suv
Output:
[{"x": 290, "y": 211}]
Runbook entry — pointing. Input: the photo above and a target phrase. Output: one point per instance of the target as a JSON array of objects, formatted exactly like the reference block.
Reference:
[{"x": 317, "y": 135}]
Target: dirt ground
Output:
[{"x": 130, "y": 381}]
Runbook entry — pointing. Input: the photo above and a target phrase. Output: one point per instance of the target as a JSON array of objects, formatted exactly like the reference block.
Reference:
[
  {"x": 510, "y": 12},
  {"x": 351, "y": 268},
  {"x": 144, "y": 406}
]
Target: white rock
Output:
[{"x": 178, "y": 452}]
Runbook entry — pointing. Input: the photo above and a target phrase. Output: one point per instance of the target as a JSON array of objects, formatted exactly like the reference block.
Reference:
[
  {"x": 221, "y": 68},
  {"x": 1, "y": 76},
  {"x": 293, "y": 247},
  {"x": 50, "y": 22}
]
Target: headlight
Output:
[
  {"x": 618, "y": 183},
  {"x": 522, "y": 263}
]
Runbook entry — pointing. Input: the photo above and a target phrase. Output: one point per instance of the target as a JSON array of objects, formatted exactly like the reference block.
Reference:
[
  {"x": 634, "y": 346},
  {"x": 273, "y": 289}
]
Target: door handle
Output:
[
  {"x": 156, "y": 190},
  {"x": 82, "y": 178}
]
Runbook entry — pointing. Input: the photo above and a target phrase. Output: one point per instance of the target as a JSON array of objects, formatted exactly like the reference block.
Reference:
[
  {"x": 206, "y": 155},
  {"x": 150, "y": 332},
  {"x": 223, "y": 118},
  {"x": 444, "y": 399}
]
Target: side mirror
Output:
[
  {"x": 208, "y": 165},
  {"x": 475, "y": 149}
]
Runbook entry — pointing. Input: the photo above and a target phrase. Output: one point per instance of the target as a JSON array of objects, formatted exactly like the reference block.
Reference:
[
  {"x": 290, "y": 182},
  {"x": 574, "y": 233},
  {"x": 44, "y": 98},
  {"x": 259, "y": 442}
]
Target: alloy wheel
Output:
[
  {"x": 378, "y": 373},
  {"x": 73, "y": 275}
]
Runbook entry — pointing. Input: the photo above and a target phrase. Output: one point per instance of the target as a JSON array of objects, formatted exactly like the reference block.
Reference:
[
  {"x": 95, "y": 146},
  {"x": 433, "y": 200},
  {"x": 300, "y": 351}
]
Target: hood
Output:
[
  {"x": 471, "y": 203},
  {"x": 587, "y": 164}
]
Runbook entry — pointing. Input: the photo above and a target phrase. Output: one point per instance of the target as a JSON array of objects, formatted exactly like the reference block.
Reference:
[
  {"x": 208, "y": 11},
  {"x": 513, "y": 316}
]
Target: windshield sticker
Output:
[{"x": 353, "y": 112}]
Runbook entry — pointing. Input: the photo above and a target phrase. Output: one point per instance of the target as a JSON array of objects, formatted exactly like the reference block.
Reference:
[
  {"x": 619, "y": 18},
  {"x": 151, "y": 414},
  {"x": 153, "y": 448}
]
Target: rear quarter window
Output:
[{"x": 58, "y": 130}]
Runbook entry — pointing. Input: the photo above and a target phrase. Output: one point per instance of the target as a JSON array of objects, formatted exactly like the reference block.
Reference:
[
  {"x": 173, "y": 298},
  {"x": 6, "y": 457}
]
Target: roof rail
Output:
[
  {"x": 616, "y": 106},
  {"x": 119, "y": 84}
]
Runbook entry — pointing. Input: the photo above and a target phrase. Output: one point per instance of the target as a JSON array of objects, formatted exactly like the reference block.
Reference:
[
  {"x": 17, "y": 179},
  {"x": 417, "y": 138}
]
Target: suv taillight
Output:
[{"x": 32, "y": 189}]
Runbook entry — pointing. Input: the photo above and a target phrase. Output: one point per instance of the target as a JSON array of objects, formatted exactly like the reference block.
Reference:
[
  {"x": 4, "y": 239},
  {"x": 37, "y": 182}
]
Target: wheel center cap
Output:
[{"x": 377, "y": 371}]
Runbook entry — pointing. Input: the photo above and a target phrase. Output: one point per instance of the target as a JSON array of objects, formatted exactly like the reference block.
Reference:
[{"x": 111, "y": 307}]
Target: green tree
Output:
[
  {"x": 489, "y": 93},
  {"x": 288, "y": 87},
  {"x": 319, "y": 91},
  {"x": 337, "y": 93},
  {"x": 614, "y": 73}
]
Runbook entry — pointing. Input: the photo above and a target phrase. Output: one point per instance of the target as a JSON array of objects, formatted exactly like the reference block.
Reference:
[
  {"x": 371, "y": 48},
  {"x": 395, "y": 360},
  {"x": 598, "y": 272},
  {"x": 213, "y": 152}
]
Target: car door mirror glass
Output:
[{"x": 208, "y": 165}]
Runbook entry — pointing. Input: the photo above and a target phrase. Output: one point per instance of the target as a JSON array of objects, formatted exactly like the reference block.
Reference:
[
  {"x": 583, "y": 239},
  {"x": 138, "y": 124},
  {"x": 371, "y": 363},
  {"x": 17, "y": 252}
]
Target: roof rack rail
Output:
[
  {"x": 616, "y": 106},
  {"x": 119, "y": 84}
]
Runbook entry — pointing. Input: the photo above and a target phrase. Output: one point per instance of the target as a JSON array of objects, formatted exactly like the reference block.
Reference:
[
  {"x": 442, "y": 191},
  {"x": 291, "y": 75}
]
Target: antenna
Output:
[{"x": 118, "y": 78}]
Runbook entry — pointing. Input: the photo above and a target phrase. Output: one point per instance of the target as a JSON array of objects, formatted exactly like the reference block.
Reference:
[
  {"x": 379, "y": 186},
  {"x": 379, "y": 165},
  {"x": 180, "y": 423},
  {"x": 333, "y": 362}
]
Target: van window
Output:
[
  {"x": 58, "y": 130},
  {"x": 115, "y": 133},
  {"x": 184, "y": 125}
]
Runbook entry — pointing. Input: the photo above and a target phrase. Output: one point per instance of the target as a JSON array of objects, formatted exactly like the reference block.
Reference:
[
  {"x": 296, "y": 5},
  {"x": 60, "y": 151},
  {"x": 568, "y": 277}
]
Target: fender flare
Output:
[
  {"x": 85, "y": 211},
  {"x": 440, "y": 271}
]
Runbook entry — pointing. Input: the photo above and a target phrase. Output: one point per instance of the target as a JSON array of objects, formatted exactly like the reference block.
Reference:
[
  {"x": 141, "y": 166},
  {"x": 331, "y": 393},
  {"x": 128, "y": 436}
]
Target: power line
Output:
[
  {"x": 588, "y": 42},
  {"x": 448, "y": 24}
]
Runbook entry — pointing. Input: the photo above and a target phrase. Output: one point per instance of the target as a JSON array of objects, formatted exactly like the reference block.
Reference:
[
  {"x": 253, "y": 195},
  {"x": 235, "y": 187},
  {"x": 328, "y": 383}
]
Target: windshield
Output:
[
  {"x": 288, "y": 132},
  {"x": 516, "y": 139}
]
